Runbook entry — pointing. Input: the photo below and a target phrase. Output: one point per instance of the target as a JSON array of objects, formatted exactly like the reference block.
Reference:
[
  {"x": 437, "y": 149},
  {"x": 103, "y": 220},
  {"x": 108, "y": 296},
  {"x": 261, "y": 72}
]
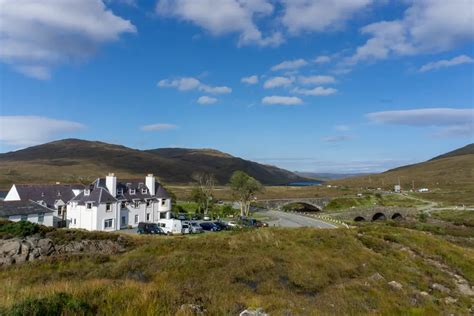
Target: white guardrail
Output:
[{"x": 323, "y": 218}]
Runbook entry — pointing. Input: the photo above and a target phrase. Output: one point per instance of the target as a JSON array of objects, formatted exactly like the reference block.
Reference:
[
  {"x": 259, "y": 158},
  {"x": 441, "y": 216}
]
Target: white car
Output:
[
  {"x": 233, "y": 224},
  {"x": 195, "y": 228},
  {"x": 206, "y": 218},
  {"x": 185, "y": 229}
]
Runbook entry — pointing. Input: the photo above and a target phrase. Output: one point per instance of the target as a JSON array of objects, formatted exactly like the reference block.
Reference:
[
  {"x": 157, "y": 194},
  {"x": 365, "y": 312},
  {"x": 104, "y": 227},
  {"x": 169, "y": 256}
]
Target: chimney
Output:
[
  {"x": 111, "y": 184},
  {"x": 150, "y": 183}
]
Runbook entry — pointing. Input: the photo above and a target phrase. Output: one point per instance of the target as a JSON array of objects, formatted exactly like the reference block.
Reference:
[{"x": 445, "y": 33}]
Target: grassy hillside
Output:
[
  {"x": 74, "y": 160},
  {"x": 283, "y": 271},
  {"x": 466, "y": 150}
]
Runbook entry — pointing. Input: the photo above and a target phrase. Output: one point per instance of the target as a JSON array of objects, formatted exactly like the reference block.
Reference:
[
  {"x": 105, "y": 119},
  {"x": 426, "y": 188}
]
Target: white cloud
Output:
[
  {"x": 281, "y": 100},
  {"x": 317, "y": 91},
  {"x": 250, "y": 80},
  {"x": 342, "y": 128},
  {"x": 224, "y": 17},
  {"x": 310, "y": 80},
  {"x": 275, "y": 82},
  {"x": 206, "y": 100},
  {"x": 36, "y": 35},
  {"x": 319, "y": 15},
  {"x": 428, "y": 26},
  {"x": 424, "y": 117},
  {"x": 336, "y": 138},
  {"x": 322, "y": 59},
  {"x": 33, "y": 130},
  {"x": 462, "y": 130},
  {"x": 158, "y": 127},
  {"x": 290, "y": 65},
  {"x": 190, "y": 83},
  {"x": 459, "y": 60}
]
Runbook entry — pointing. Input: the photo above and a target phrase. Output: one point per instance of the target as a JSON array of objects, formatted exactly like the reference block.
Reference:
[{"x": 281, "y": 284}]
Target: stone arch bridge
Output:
[
  {"x": 278, "y": 204},
  {"x": 374, "y": 214}
]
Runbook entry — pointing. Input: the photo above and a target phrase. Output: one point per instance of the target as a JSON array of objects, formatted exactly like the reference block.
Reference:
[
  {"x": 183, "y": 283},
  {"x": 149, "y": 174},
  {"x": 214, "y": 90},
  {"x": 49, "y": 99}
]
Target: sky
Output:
[{"x": 341, "y": 86}]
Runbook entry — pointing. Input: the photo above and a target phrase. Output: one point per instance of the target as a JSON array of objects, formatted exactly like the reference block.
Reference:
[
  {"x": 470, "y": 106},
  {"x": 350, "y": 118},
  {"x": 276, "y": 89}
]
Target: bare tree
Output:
[{"x": 205, "y": 186}]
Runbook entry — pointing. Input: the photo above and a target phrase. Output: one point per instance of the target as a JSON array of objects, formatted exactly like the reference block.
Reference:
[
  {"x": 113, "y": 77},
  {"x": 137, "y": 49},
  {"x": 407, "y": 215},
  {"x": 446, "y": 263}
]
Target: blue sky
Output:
[{"x": 310, "y": 85}]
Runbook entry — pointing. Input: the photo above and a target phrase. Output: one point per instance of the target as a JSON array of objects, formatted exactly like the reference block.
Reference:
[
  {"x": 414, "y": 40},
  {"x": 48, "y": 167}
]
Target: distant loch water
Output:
[{"x": 305, "y": 183}]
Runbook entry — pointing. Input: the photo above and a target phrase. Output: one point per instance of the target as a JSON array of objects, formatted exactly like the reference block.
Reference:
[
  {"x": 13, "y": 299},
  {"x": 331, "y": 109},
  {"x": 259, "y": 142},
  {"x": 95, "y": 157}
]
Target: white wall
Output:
[
  {"x": 12, "y": 195},
  {"x": 47, "y": 221}
]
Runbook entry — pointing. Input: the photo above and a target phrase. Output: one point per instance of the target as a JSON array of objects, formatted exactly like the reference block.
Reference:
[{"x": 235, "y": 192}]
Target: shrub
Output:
[
  {"x": 56, "y": 304},
  {"x": 20, "y": 229}
]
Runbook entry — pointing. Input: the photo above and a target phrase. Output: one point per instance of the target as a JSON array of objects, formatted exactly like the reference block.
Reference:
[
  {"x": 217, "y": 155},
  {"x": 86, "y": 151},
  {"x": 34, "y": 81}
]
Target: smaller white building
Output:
[
  {"x": 30, "y": 211},
  {"x": 108, "y": 204}
]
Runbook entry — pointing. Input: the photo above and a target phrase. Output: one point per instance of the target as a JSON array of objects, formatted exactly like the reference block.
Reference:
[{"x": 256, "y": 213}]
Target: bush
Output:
[
  {"x": 56, "y": 304},
  {"x": 20, "y": 229}
]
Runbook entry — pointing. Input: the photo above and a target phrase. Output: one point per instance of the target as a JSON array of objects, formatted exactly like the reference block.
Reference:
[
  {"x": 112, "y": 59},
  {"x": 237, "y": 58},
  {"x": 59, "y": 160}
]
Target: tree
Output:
[
  {"x": 244, "y": 188},
  {"x": 203, "y": 192}
]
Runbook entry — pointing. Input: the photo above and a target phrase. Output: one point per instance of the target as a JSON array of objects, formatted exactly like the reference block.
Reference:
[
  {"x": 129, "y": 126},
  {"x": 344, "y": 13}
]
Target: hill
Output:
[
  {"x": 328, "y": 176},
  {"x": 73, "y": 160},
  {"x": 451, "y": 171},
  {"x": 466, "y": 150}
]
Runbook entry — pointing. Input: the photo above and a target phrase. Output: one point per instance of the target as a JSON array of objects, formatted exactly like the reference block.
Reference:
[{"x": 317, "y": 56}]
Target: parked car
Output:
[
  {"x": 185, "y": 229},
  {"x": 260, "y": 224},
  {"x": 149, "y": 228},
  {"x": 233, "y": 224},
  {"x": 171, "y": 226},
  {"x": 195, "y": 228},
  {"x": 221, "y": 225},
  {"x": 182, "y": 217},
  {"x": 208, "y": 226}
]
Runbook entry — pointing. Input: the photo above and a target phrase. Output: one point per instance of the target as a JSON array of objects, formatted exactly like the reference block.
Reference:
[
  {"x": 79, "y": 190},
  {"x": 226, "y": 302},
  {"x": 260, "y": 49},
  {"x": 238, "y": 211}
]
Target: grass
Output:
[
  {"x": 370, "y": 200},
  {"x": 457, "y": 217},
  {"x": 284, "y": 271}
]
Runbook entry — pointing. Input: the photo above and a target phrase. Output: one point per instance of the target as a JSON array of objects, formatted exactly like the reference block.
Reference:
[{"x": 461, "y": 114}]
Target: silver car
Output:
[{"x": 195, "y": 228}]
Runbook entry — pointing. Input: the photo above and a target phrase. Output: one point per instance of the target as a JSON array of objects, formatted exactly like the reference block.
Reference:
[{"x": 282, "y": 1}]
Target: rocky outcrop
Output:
[{"x": 20, "y": 250}]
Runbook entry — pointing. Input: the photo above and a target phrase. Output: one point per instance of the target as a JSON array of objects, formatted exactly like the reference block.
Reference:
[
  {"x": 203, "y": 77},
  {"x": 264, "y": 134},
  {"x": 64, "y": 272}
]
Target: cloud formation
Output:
[
  {"x": 310, "y": 80},
  {"x": 317, "y": 91},
  {"x": 322, "y": 59},
  {"x": 290, "y": 65},
  {"x": 205, "y": 100},
  {"x": 190, "y": 83},
  {"x": 459, "y": 60},
  {"x": 158, "y": 127},
  {"x": 281, "y": 100},
  {"x": 36, "y": 35},
  {"x": 33, "y": 130},
  {"x": 250, "y": 80},
  {"x": 276, "y": 82},
  {"x": 336, "y": 138},
  {"x": 428, "y": 26},
  {"x": 224, "y": 17}
]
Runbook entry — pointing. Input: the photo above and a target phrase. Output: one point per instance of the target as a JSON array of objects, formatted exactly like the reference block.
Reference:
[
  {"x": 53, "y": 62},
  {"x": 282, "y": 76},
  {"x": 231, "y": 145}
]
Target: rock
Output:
[
  {"x": 450, "y": 300},
  {"x": 46, "y": 246},
  {"x": 440, "y": 288},
  {"x": 191, "y": 309},
  {"x": 10, "y": 247},
  {"x": 395, "y": 285},
  {"x": 424, "y": 294},
  {"x": 253, "y": 312},
  {"x": 376, "y": 277}
]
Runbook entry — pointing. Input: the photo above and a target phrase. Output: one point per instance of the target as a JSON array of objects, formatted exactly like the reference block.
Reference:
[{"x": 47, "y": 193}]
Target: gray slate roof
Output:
[
  {"x": 49, "y": 193},
  {"x": 28, "y": 207},
  {"x": 125, "y": 185},
  {"x": 96, "y": 196}
]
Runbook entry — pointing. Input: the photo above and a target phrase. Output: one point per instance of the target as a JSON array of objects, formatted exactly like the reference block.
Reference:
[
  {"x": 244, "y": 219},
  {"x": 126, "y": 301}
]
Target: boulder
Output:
[
  {"x": 440, "y": 288},
  {"x": 10, "y": 247},
  {"x": 395, "y": 285},
  {"x": 253, "y": 312},
  {"x": 46, "y": 247},
  {"x": 376, "y": 277}
]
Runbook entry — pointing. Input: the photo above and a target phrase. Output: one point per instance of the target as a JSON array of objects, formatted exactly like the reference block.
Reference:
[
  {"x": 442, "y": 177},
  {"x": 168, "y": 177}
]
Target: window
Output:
[
  {"x": 108, "y": 207},
  {"x": 136, "y": 219},
  {"x": 143, "y": 191},
  {"x": 108, "y": 223},
  {"x": 162, "y": 215},
  {"x": 87, "y": 192},
  {"x": 74, "y": 221},
  {"x": 88, "y": 205},
  {"x": 136, "y": 204},
  {"x": 123, "y": 204},
  {"x": 119, "y": 191},
  {"x": 147, "y": 217},
  {"x": 124, "y": 221},
  {"x": 24, "y": 218},
  {"x": 41, "y": 218},
  {"x": 163, "y": 202},
  {"x": 148, "y": 203},
  {"x": 132, "y": 191}
]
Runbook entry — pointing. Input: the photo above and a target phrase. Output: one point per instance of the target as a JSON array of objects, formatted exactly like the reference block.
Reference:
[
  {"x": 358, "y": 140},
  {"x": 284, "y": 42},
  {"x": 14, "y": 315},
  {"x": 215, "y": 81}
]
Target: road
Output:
[{"x": 283, "y": 219}]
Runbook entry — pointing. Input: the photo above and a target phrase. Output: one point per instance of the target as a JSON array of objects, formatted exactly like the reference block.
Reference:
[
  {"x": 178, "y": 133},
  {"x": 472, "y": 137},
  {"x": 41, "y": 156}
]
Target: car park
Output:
[
  {"x": 195, "y": 228},
  {"x": 221, "y": 225},
  {"x": 208, "y": 226}
]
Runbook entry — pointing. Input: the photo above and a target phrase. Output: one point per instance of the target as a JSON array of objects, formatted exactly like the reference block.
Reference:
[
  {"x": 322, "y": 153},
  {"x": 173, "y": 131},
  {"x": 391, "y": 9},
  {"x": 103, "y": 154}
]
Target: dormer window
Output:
[
  {"x": 89, "y": 205},
  {"x": 119, "y": 191},
  {"x": 132, "y": 191},
  {"x": 136, "y": 204},
  {"x": 144, "y": 191},
  {"x": 87, "y": 192}
]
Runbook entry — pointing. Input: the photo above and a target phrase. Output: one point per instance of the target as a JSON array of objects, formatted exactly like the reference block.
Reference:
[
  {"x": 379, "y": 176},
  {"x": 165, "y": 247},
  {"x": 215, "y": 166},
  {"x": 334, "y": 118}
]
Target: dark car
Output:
[
  {"x": 221, "y": 225},
  {"x": 209, "y": 226},
  {"x": 149, "y": 229},
  {"x": 260, "y": 224}
]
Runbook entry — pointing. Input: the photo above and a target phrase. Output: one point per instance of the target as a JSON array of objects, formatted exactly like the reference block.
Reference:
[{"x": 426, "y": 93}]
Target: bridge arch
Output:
[
  {"x": 304, "y": 206},
  {"x": 397, "y": 216},
  {"x": 379, "y": 217},
  {"x": 359, "y": 219}
]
